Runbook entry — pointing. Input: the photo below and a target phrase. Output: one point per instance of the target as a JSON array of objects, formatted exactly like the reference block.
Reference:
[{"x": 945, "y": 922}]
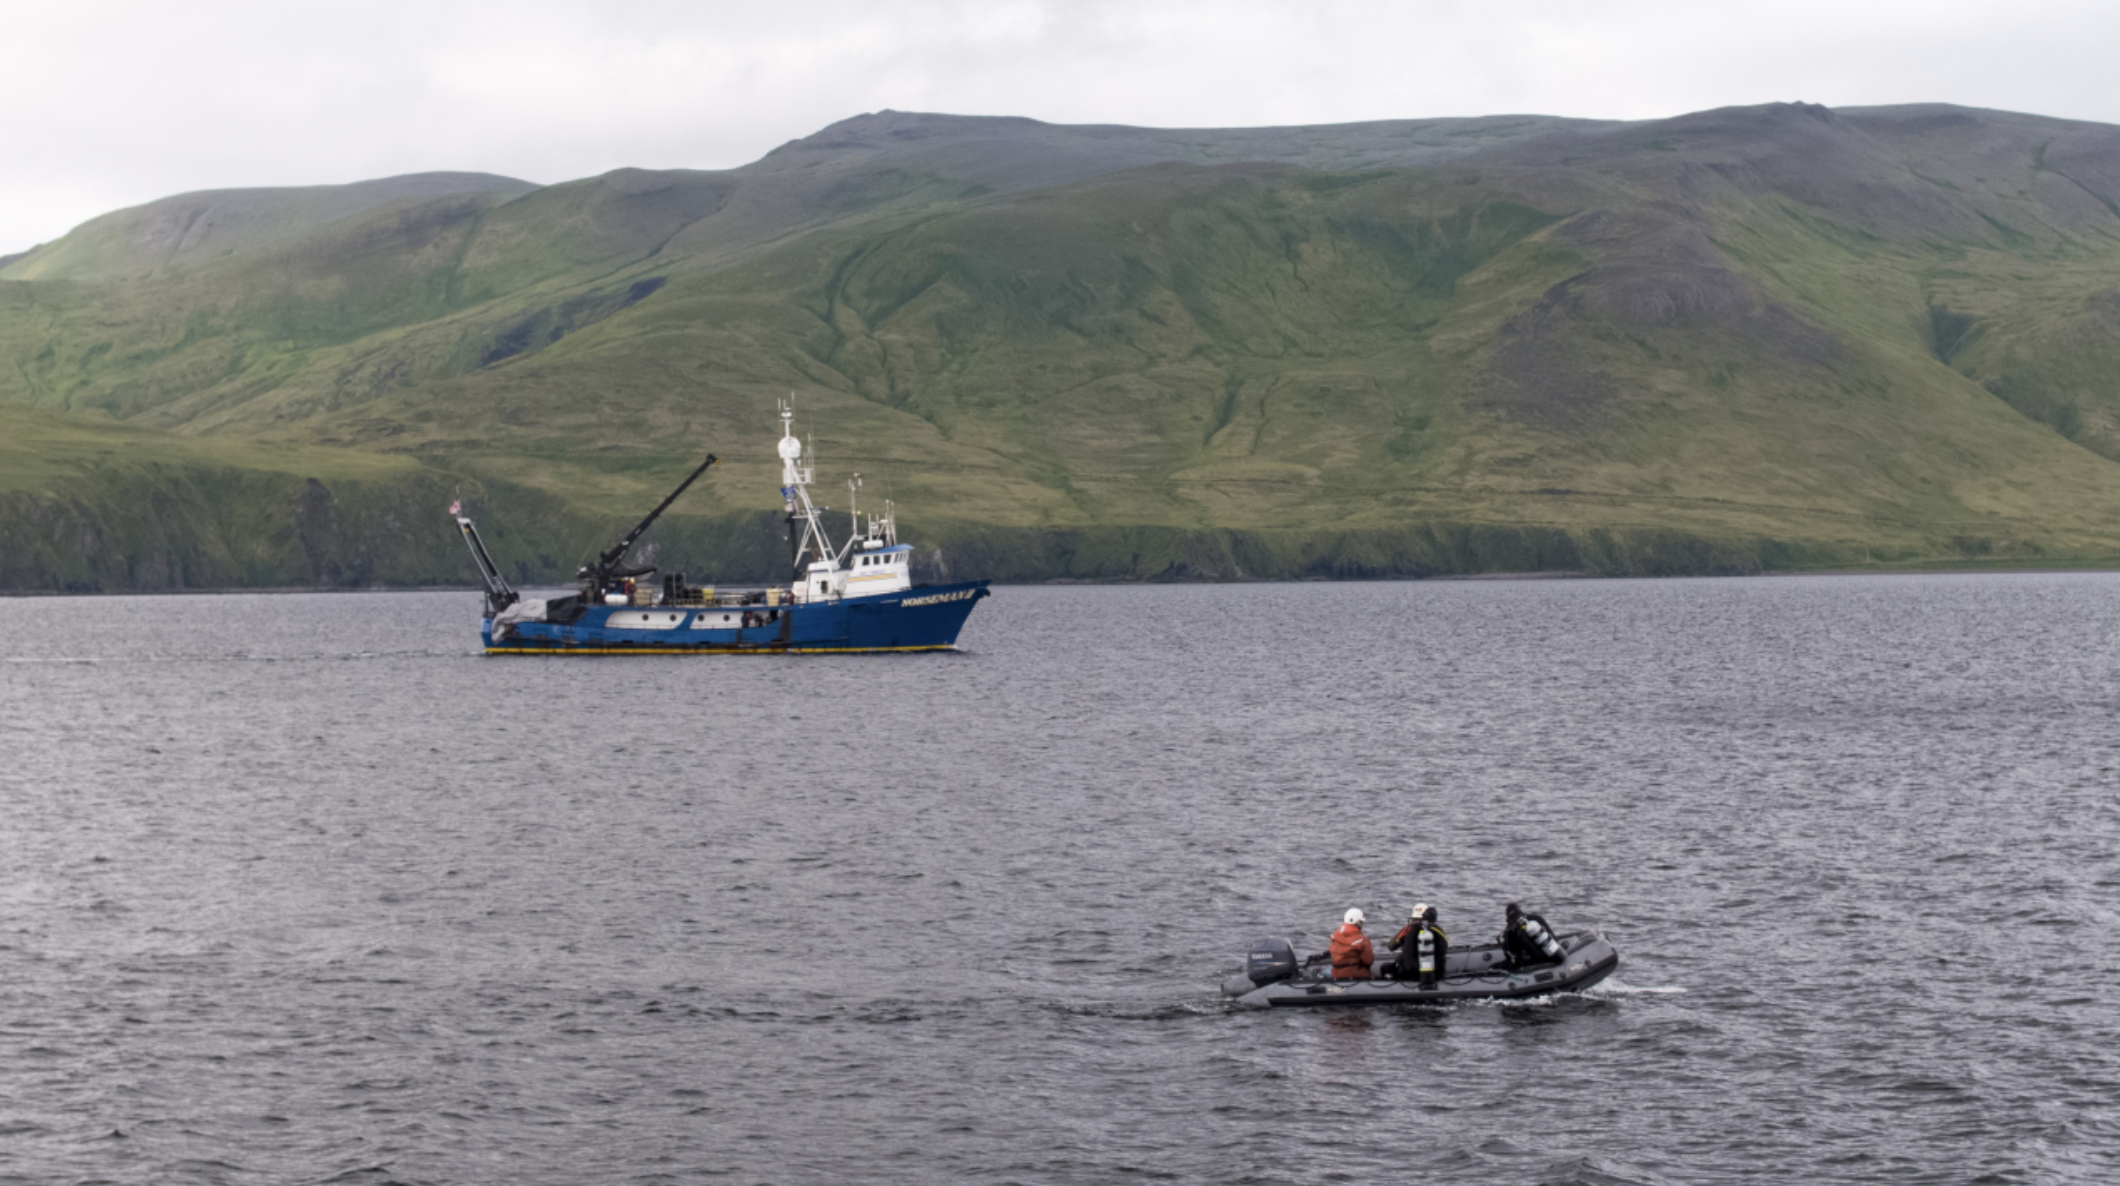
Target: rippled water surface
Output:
[{"x": 302, "y": 889}]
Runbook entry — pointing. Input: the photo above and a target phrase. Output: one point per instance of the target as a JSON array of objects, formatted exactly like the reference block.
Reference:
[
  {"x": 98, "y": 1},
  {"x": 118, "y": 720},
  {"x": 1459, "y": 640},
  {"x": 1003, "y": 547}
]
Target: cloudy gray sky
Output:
[{"x": 109, "y": 103}]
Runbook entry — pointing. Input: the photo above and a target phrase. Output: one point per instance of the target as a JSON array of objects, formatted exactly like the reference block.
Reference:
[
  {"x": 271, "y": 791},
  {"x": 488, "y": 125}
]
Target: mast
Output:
[
  {"x": 853, "y": 514},
  {"x": 795, "y": 478}
]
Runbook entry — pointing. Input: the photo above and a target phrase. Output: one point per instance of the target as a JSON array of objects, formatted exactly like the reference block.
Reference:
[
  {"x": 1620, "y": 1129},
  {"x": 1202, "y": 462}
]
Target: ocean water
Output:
[{"x": 300, "y": 888}]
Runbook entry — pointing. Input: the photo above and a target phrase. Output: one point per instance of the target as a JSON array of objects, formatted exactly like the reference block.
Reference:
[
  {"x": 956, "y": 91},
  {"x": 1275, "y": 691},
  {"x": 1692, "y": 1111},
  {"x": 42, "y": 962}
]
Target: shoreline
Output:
[{"x": 1576, "y": 575}]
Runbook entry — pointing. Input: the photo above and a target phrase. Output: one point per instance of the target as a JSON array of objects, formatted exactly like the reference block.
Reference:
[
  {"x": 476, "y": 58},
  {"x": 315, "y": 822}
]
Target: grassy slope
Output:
[
  {"x": 89, "y": 503},
  {"x": 200, "y": 229},
  {"x": 1777, "y": 336}
]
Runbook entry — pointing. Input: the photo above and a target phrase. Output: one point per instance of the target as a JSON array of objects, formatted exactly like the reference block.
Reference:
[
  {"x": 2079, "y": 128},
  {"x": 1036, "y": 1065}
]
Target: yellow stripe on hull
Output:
[{"x": 708, "y": 651}]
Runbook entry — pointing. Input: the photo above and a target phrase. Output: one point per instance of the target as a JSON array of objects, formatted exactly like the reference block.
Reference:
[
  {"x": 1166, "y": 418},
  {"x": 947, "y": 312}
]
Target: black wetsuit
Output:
[
  {"x": 1520, "y": 949},
  {"x": 1408, "y": 944}
]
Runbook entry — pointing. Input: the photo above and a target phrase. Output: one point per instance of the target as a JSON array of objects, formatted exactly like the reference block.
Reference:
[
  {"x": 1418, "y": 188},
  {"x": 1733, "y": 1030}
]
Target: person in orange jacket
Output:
[{"x": 1351, "y": 952}]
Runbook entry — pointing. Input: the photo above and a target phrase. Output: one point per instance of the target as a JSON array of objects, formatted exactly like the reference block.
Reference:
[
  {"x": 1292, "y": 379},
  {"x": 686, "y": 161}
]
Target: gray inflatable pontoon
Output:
[{"x": 1271, "y": 976}]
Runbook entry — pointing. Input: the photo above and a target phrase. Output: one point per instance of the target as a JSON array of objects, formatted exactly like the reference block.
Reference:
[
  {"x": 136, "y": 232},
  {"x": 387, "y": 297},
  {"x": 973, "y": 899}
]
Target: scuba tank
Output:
[
  {"x": 1424, "y": 943},
  {"x": 1542, "y": 937}
]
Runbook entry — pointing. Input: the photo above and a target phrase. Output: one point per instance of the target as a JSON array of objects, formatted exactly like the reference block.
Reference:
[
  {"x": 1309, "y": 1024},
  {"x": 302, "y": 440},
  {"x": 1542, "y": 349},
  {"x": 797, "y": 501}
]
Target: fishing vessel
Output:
[{"x": 854, "y": 596}]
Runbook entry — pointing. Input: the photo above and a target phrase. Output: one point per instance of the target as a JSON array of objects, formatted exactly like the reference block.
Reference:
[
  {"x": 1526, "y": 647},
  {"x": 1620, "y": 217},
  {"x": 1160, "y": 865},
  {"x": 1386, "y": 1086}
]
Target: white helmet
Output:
[
  {"x": 1419, "y": 909},
  {"x": 1354, "y": 916}
]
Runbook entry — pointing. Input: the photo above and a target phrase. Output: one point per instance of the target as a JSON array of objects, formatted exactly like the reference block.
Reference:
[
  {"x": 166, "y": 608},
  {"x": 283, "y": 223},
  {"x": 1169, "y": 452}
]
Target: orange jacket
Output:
[{"x": 1351, "y": 953}]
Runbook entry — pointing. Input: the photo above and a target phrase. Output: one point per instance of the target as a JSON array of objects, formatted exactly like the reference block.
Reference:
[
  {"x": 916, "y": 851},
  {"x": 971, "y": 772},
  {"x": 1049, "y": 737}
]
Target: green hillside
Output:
[{"x": 1774, "y": 337}]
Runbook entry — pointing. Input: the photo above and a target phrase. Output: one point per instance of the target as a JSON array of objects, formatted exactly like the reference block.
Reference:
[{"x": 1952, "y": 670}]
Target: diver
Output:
[
  {"x": 1527, "y": 940},
  {"x": 1351, "y": 950},
  {"x": 1424, "y": 950},
  {"x": 1413, "y": 919}
]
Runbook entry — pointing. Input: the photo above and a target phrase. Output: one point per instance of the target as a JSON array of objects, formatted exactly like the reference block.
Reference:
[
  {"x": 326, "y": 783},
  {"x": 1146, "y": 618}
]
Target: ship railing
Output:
[{"x": 725, "y": 599}]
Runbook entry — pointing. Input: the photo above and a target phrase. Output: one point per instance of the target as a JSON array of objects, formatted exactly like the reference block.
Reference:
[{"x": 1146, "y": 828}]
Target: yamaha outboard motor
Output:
[{"x": 1269, "y": 960}]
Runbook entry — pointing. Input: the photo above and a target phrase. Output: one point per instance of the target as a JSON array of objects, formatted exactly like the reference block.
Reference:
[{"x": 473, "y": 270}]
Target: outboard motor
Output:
[{"x": 1269, "y": 960}]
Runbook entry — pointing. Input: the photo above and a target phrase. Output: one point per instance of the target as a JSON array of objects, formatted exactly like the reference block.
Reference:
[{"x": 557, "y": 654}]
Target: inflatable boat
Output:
[{"x": 1272, "y": 976}]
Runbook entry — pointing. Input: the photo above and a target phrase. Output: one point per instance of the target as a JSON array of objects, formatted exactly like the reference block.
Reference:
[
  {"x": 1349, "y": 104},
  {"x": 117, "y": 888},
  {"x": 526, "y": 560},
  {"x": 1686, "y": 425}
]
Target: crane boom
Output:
[{"x": 603, "y": 571}]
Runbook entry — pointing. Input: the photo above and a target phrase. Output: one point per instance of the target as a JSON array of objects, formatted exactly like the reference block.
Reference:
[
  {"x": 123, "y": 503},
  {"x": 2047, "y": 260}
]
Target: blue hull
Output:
[{"x": 923, "y": 618}]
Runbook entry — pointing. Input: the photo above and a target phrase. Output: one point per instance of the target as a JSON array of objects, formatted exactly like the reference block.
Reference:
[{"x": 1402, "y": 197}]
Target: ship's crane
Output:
[
  {"x": 498, "y": 595},
  {"x": 606, "y": 572}
]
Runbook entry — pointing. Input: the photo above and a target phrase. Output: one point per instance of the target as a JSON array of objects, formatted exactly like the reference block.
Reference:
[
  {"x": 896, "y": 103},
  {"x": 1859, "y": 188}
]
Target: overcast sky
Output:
[{"x": 110, "y": 103}]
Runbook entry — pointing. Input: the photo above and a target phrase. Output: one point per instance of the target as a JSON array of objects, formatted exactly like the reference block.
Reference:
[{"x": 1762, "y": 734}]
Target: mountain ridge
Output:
[
  {"x": 1760, "y": 337},
  {"x": 140, "y": 241}
]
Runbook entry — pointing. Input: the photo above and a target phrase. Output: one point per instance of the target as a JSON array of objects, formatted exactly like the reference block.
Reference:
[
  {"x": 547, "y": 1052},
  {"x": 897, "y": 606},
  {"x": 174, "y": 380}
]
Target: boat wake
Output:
[
  {"x": 1615, "y": 987},
  {"x": 227, "y": 657}
]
